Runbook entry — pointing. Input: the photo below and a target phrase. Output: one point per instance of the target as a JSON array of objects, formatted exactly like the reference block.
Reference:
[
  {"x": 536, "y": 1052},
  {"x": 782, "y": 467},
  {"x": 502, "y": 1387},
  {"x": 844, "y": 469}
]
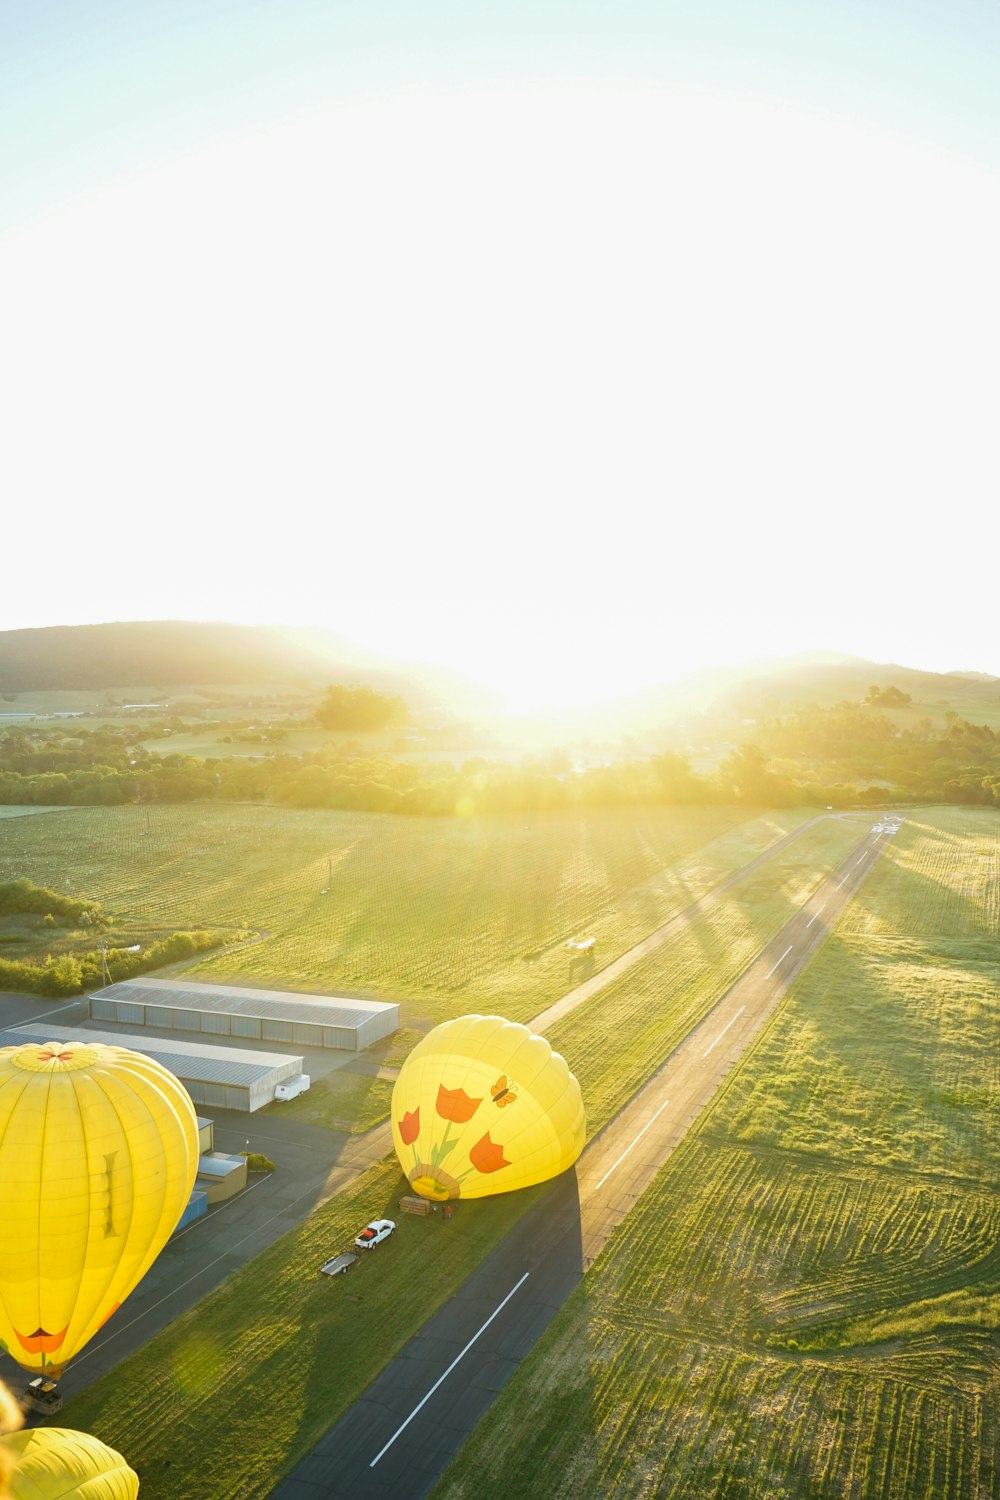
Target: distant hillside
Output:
[
  {"x": 798, "y": 682},
  {"x": 728, "y": 694},
  {"x": 166, "y": 654}
]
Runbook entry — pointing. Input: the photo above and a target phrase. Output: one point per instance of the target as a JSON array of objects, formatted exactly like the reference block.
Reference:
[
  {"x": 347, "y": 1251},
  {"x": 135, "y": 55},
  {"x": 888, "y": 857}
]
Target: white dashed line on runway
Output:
[
  {"x": 631, "y": 1144},
  {"x": 441, "y": 1379},
  {"x": 725, "y": 1029},
  {"x": 781, "y": 960}
]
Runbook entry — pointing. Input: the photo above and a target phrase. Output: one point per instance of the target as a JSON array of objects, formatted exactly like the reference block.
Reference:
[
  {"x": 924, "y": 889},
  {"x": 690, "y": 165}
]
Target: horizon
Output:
[{"x": 378, "y": 660}]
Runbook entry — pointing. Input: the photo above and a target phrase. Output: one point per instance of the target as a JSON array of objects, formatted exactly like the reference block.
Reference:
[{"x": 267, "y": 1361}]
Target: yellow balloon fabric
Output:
[
  {"x": 98, "y": 1155},
  {"x": 483, "y": 1105},
  {"x": 53, "y": 1463}
]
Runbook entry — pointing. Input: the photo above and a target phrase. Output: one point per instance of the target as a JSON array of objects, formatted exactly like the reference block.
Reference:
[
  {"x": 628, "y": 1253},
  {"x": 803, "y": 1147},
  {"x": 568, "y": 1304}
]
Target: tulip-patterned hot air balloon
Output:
[
  {"x": 53, "y": 1463},
  {"x": 98, "y": 1155},
  {"x": 483, "y": 1105}
]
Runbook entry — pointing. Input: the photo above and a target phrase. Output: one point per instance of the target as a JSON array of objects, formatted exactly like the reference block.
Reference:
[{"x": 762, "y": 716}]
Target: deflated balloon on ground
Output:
[{"x": 483, "y": 1105}]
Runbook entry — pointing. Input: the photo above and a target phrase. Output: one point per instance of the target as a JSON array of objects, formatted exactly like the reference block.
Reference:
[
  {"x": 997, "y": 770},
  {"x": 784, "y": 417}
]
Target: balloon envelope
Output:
[
  {"x": 53, "y": 1463},
  {"x": 483, "y": 1105},
  {"x": 98, "y": 1155}
]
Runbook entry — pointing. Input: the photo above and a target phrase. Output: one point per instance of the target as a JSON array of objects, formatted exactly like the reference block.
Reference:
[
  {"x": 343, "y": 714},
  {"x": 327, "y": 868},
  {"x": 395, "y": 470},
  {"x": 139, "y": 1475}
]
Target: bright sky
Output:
[{"x": 573, "y": 347}]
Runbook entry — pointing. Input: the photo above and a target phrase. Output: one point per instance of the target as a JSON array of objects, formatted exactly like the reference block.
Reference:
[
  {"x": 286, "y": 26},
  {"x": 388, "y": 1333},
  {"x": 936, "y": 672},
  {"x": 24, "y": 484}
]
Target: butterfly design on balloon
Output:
[{"x": 504, "y": 1093}]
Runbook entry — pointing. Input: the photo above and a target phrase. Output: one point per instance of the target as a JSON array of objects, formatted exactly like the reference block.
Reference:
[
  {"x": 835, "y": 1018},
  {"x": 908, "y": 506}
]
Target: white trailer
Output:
[{"x": 292, "y": 1087}]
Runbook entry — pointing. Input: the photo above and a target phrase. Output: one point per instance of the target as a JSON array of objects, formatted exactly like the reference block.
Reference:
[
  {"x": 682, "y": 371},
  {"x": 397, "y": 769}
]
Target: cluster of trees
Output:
[
  {"x": 69, "y": 973},
  {"x": 860, "y": 752},
  {"x": 22, "y": 895},
  {"x": 360, "y": 709}
]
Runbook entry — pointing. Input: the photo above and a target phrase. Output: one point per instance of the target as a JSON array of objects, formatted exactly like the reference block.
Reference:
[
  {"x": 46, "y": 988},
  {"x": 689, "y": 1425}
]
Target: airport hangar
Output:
[
  {"x": 219, "y": 1077},
  {"x": 252, "y": 1015}
]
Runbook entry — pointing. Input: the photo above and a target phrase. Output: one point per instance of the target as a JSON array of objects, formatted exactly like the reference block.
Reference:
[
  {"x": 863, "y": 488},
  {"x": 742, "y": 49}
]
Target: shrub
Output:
[{"x": 257, "y": 1161}]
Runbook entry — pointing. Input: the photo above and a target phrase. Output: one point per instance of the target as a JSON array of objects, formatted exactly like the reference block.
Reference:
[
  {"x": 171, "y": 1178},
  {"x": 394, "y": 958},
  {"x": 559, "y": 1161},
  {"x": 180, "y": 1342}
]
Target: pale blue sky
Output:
[
  {"x": 575, "y": 344},
  {"x": 90, "y": 89}
]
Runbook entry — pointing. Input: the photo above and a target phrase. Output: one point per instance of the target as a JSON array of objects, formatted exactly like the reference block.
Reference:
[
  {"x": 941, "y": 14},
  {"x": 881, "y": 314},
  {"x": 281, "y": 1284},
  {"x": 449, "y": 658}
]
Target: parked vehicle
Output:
[
  {"x": 292, "y": 1087},
  {"x": 338, "y": 1265},
  {"x": 377, "y": 1231}
]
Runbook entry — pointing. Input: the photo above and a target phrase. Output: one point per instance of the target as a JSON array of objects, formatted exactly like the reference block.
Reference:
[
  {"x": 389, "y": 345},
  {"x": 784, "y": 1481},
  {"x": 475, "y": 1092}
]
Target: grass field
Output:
[
  {"x": 805, "y": 1302},
  {"x": 649, "y": 1009},
  {"x": 447, "y": 915},
  {"x": 342, "y": 1101},
  {"x": 279, "y": 1331}
]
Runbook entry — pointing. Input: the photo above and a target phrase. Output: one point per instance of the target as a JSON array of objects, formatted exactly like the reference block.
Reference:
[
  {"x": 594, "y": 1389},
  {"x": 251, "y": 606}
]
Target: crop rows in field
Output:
[
  {"x": 709, "y": 1422},
  {"x": 805, "y": 1301},
  {"x": 470, "y": 913},
  {"x": 786, "y": 1254}
]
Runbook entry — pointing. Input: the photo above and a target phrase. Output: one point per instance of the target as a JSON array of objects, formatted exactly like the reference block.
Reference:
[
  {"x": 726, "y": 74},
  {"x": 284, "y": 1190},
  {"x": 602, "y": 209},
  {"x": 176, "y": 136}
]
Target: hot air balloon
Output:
[
  {"x": 483, "y": 1105},
  {"x": 10, "y": 1420},
  {"x": 98, "y": 1155},
  {"x": 52, "y": 1463}
]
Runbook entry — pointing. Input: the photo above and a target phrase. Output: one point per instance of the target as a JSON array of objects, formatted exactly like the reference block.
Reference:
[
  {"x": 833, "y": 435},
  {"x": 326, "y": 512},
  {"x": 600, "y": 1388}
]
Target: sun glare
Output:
[{"x": 424, "y": 367}]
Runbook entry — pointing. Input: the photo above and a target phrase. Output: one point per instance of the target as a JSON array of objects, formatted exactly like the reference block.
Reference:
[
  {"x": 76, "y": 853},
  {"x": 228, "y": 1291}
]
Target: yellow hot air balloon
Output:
[
  {"x": 52, "y": 1463},
  {"x": 483, "y": 1105},
  {"x": 98, "y": 1155}
]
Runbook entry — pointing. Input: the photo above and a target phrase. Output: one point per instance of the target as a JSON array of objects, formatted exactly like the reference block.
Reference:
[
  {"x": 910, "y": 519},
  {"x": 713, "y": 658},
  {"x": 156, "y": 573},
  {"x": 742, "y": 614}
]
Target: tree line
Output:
[{"x": 849, "y": 755}]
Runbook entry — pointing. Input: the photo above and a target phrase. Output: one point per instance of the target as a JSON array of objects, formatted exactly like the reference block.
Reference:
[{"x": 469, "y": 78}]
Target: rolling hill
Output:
[{"x": 161, "y": 655}]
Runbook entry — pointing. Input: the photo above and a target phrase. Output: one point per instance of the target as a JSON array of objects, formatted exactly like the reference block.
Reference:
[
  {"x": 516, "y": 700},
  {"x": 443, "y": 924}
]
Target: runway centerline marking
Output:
[
  {"x": 815, "y": 915},
  {"x": 863, "y": 857},
  {"x": 723, "y": 1031},
  {"x": 781, "y": 960},
  {"x": 630, "y": 1146},
  {"x": 442, "y": 1378}
]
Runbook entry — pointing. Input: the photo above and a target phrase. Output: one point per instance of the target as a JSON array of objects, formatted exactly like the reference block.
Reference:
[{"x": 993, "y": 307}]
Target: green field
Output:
[
  {"x": 305, "y": 1354},
  {"x": 447, "y": 915},
  {"x": 25, "y": 812},
  {"x": 342, "y": 1101},
  {"x": 805, "y": 1302},
  {"x": 653, "y": 1006}
]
